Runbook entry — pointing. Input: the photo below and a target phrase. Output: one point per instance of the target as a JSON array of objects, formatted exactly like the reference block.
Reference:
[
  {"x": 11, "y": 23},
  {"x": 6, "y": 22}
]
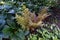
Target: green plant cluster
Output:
[
  {"x": 10, "y": 28},
  {"x": 36, "y": 5},
  {"x": 46, "y": 33}
]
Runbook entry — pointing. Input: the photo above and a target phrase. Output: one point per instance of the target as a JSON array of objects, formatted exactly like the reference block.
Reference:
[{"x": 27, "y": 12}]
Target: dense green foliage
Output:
[
  {"x": 46, "y": 33},
  {"x": 10, "y": 28}
]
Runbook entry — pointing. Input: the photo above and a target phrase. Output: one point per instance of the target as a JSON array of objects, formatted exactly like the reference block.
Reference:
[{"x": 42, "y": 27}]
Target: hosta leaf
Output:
[
  {"x": 0, "y": 38},
  {"x": 47, "y": 36},
  {"x": 34, "y": 37},
  {"x": 6, "y": 30},
  {"x": 40, "y": 39},
  {"x": 11, "y": 11},
  {"x": 55, "y": 38}
]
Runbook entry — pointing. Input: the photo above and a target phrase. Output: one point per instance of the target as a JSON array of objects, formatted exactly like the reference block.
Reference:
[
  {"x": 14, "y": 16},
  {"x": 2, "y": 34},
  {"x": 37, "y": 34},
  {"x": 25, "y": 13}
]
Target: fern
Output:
[{"x": 29, "y": 19}]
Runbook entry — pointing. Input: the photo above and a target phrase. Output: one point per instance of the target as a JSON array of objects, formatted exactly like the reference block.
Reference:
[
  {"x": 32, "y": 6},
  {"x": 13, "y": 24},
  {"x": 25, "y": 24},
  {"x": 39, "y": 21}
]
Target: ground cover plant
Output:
[{"x": 29, "y": 20}]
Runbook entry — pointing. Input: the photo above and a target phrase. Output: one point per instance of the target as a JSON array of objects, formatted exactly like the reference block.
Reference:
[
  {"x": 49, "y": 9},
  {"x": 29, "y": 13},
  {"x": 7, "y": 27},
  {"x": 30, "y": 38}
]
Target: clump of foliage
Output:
[
  {"x": 50, "y": 32},
  {"x": 18, "y": 18},
  {"x": 36, "y": 5},
  {"x": 28, "y": 19}
]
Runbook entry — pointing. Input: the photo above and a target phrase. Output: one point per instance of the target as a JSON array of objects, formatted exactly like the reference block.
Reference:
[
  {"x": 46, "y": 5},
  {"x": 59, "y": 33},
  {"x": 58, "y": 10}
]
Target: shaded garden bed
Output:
[{"x": 30, "y": 20}]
